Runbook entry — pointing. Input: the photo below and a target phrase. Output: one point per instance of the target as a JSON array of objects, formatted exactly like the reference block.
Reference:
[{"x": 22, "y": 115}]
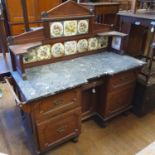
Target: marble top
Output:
[
  {"x": 100, "y": 3},
  {"x": 50, "y": 79},
  {"x": 139, "y": 14},
  {"x": 112, "y": 33}
]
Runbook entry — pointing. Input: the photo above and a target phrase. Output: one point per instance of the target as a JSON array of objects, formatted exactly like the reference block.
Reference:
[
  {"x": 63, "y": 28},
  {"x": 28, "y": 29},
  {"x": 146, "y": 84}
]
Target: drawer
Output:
[
  {"x": 59, "y": 128},
  {"x": 109, "y": 9},
  {"x": 117, "y": 101},
  {"x": 57, "y": 104},
  {"x": 121, "y": 80}
]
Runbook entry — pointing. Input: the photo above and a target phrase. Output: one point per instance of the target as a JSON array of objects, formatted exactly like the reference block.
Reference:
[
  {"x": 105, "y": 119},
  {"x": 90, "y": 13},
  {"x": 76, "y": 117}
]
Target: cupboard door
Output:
[
  {"x": 119, "y": 100},
  {"x": 58, "y": 129},
  {"x": 34, "y": 9},
  {"x": 15, "y": 14}
]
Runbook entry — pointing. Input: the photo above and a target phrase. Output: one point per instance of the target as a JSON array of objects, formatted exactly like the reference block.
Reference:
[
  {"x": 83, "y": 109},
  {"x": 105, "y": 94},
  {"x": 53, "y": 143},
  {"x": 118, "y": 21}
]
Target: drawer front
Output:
[
  {"x": 121, "y": 80},
  {"x": 117, "y": 101},
  {"x": 109, "y": 9},
  {"x": 57, "y": 104},
  {"x": 59, "y": 128}
]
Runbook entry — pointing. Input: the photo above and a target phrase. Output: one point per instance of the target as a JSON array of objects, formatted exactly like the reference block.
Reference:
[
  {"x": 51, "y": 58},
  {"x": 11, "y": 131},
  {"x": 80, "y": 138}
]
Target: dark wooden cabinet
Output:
[
  {"x": 136, "y": 43},
  {"x": 138, "y": 27},
  {"x": 3, "y": 37},
  {"x": 144, "y": 99},
  {"x": 56, "y": 110},
  {"x": 55, "y": 119}
]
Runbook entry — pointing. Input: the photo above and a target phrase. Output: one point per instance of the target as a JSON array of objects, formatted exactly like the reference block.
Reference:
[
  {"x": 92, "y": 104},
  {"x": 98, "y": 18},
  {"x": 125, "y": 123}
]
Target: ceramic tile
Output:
[
  {"x": 82, "y": 45},
  {"x": 83, "y": 26},
  {"x": 43, "y": 52},
  {"x": 70, "y": 27},
  {"x": 103, "y": 42},
  {"x": 92, "y": 44},
  {"x": 58, "y": 50},
  {"x": 56, "y": 29},
  {"x": 70, "y": 47},
  {"x": 29, "y": 57}
]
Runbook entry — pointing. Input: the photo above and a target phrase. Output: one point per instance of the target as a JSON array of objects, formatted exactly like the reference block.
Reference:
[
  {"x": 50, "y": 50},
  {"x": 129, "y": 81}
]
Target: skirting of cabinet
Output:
[{"x": 102, "y": 121}]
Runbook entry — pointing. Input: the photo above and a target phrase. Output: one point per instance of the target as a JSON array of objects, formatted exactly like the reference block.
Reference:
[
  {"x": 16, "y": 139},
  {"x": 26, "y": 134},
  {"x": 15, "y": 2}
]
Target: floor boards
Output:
[{"x": 124, "y": 135}]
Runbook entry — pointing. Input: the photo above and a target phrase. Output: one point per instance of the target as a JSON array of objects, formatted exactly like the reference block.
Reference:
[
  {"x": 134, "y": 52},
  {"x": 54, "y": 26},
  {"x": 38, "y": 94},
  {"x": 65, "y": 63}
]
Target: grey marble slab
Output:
[
  {"x": 139, "y": 14},
  {"x": 49, "y": 79}
]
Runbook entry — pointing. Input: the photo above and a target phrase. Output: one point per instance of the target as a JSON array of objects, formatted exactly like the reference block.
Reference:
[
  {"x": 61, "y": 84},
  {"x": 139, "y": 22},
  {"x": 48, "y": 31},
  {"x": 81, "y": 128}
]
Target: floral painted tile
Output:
[
  {"x": 43, "y": 52},
  {"x": 56, "y": 29},
  {"x": 92, "y": 44},
  {"x": 83, "y": 26},
  {"x": 70, "y": 27},
  {"x": 70, "y": 47},
  {"x": 58, "y": 50},
  {"x": 82, "y": 45}
]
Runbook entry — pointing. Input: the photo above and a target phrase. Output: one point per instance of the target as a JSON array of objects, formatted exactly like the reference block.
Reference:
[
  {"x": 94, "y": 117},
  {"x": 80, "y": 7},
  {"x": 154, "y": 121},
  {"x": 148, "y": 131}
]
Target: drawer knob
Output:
[
  {"x": 58, "y": 102},
  {"x": 93, "y": 90},
  {"x": 74, "y": 99},
  {"x": 46, "y": 144},
  {"x": 137, "y": 23},
  {"x": 42, "y": 111},
  {"x": 62, "y": 129}
]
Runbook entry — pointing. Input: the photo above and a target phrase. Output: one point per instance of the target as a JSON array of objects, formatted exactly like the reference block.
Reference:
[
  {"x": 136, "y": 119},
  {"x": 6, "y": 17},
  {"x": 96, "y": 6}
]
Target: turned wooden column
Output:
[
  {"x": 3, "y": 38},
  {"x": 134, "y": 6},
  {"x": 25, "y": 15}
]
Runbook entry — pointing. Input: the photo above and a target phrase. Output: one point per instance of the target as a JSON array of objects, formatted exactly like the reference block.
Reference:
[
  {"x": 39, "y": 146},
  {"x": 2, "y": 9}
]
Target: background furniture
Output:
[
  {"x": 105, "y": 12},
  {"x": 144, "y": 96},
  {"x": 124, "y": 4},
  {"x": 3, "y": 37},
  {"x": 138, "y": 27},
  {"x": 144, "y": 93},
  {"x": 14, "y": 15}
]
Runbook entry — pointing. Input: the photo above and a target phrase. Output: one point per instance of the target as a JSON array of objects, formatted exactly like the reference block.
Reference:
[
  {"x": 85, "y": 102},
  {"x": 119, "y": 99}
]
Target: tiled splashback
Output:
[
  {"x": 68, "y": 48},
  {"x": 69, "y": 28}
]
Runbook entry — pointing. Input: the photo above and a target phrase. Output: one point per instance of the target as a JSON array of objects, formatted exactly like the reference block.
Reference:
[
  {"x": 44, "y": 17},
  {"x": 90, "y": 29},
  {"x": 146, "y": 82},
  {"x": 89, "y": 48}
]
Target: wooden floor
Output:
[{"x": 124, "y": 135}]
